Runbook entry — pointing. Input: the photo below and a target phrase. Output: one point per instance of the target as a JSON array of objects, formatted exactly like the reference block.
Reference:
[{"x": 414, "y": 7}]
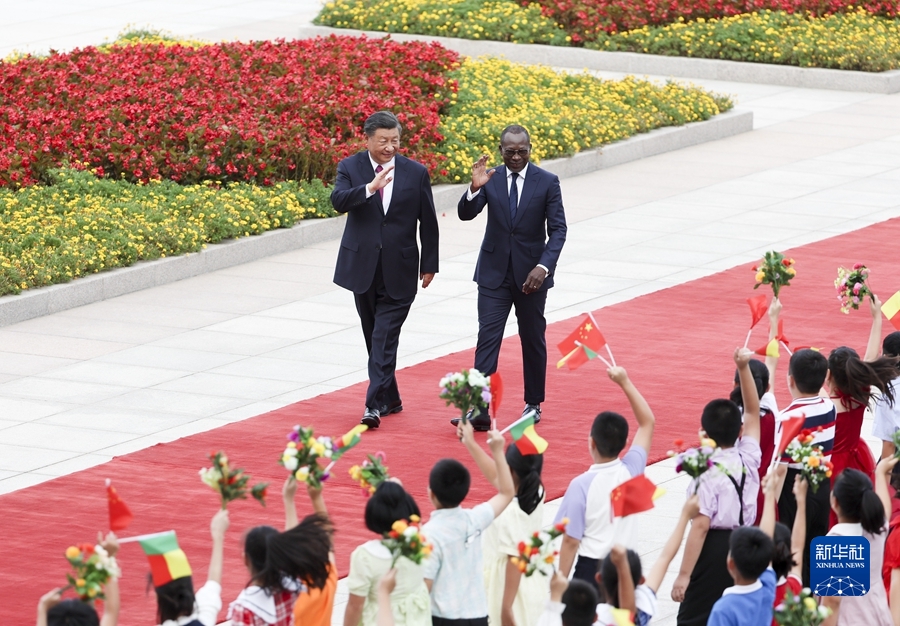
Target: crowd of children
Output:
[{"x": 749, "y": 521}]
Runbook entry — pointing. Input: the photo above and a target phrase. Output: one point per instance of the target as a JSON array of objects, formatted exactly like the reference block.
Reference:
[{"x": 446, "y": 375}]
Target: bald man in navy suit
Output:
[
  {"x": 525, "y": 233},
  {"x": 387, "y": 199}
]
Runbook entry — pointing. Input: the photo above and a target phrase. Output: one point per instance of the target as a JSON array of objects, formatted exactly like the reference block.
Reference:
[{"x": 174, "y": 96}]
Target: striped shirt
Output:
[{"x": 820, "y": 413}]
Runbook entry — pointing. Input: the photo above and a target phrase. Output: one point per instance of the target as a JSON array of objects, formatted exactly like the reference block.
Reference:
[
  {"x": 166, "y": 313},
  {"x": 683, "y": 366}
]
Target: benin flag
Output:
[
  {"x": 770, "y": 349},
  {"x": 582, "y": 344},
  {"x": 622, "y": 617},
  {"x": 168, "y": 562},
  {"x": 634, "y": 496},
  {"x": 891, "y": 310},
  {"x": 526, "y": 438},
  {"x": 350, "y": 439}
]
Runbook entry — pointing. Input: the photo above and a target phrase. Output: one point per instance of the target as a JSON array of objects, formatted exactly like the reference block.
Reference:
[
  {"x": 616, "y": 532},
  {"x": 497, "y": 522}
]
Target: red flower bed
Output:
[
  {"x": 258, "y": 112},
  {"x": 585, "y": 19}
]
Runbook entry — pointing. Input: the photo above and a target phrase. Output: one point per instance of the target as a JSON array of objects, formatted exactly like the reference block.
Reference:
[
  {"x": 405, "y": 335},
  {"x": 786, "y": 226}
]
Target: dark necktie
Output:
[
  {"x": 380, "y": 191},
  {"x": 513, "y": 197}
]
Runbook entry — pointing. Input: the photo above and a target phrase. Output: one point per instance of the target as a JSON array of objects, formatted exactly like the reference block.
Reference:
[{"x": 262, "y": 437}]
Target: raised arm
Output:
[
  {"x": 317, "y": 499},
  {"x": 619, "y": 557},
  {"x": 217, "y": 528},
  {"x": 288, "y": 491},
  {"x": 661, "y": 566},
  {"x": 111, "y": 602},
  {"x": 874, "y": 345},
  {"x": 504, "y": 478},
  {"x": 798, "y": 532},
  {"x": 749, "y": 393},
  {"x": 642, "y": 413},
  {"x": 472, "y": 201},
  {"x": 774, "y": 316},
  {"x": 483, "y": 460}
]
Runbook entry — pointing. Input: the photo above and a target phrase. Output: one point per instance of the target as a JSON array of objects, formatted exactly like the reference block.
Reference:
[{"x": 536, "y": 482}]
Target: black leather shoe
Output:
[
  {"x": 390, "y": 408},
  {"x": 371, "y": 418},
  {"x": 533, "y": 407},
  {"x": 481, "y": 422}
]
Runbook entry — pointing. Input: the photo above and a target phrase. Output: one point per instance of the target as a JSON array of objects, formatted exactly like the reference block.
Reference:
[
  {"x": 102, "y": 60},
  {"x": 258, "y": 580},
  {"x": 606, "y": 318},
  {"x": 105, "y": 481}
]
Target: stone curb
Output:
[
  {"x": 650, "y": 64},
  {"x": 97, "y": 287}
]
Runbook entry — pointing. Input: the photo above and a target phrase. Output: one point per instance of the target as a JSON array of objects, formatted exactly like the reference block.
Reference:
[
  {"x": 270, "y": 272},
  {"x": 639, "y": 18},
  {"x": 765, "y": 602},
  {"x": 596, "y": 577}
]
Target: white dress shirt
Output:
[
  {"x": 520, "y": 184},
  {"x": 387, "y": 189}
]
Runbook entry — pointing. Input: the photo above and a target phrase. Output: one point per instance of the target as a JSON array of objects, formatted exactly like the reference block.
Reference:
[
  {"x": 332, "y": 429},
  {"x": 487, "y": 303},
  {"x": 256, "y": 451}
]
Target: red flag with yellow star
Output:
[
  {"x": 634, "y": 496},
  {"x": 120, "y": 515},
  {"x": 582, "y": 345}
]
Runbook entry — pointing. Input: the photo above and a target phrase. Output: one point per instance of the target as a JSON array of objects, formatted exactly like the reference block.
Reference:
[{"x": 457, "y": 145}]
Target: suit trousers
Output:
[
  {"x": 381, "y": 317},
  {"x": 493, "y": 310}
]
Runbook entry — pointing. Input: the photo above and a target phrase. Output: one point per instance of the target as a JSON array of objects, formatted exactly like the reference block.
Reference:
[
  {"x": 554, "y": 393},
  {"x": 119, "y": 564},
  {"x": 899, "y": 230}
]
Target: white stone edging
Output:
[
  {"x": 142, "y": 275},
  {"x": 650, "y": 64}
]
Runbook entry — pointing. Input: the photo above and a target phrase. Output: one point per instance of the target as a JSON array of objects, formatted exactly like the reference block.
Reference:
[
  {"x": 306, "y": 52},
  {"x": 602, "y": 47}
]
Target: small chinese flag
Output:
[
  {"x": 891, "y": 310},
  {"x": 496, "y": 393},
  {"x": 790, "y": 428},
  {"x": 781, "y": 337},
  {"x": 526, "y": 438},
  {"x": 581, "y": 345},
  {"x": 634, "y": 496},
  {"x": 120, "y": 516},
  {"x": 770, "y": 349},
  {"x": 758, "y": 307}
]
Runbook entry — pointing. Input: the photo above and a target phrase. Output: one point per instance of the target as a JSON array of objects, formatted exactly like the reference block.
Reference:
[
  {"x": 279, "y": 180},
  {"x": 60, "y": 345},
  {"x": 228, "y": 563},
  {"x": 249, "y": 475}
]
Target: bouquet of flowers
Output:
[
  {"x": 230, "y": 483},
  {"x": 303, "y": 451},
  {"x": 815, "y": 468},
  {"x": 92, "y": 566},
  {"x": 800, "y": 610},
  {"x": 405, "y": 539},
  {"x": 851, "y": 286},
  {"x": 371, "y": 473},
  {"x": 696, "y": 461},
  {"x": 775, "y": 270},
  {"x": 466, "y": 390},
  {"x": 537, "y": 553}
]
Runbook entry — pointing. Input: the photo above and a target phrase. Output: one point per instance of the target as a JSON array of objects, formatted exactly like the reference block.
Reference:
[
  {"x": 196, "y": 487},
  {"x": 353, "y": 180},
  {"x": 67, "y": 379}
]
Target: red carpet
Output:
[{"x": 676, "y": 345}]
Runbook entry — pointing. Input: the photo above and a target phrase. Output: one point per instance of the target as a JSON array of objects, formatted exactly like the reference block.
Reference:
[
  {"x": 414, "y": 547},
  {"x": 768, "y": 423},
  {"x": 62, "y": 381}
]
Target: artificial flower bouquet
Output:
[
  {"x": 800, "y": 610},
  {"x": 776, "y": 270},
  {"x": 696, "y": 461},
  {"x": 231, "y": 483},
  {"x": 93, "y": 567},
  {"x": 851, "y": 286},
  {"x": 370, "y": 473},
  {"x": 815, "y": 467},
  {"x": 303, "y": 451},
  {"x": 406, "y": 539},
  {"x": 466, "y": 390},
  {"x": 537, "y": 553}
]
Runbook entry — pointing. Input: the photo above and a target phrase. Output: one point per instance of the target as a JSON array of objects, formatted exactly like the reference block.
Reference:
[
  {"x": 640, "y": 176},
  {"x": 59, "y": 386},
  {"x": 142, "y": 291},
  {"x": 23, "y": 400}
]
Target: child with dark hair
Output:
[
  {"x": 890, "y": 569},
  {"x": 513, "y": 599},
  {"x": 807, "y": 373},
  {"x": 259, "y": 604},
  {"x": 54, "y": 611},
  {"x": 592, "y": 529},
  {"x": 371, "y": 561},
  {"x": 886, "y": 414},
  {"x": 176, "y": 602},
  {"x": 850, "y": 382},
  {"x": 749, "y": 602},
  {"x": 572, "y": 603},
  {"x": 454, "y": 570},
  {"x": 789, "y": 543},
  {"x": 728, "y": 494},
  {"x": 861, "y": 512}
]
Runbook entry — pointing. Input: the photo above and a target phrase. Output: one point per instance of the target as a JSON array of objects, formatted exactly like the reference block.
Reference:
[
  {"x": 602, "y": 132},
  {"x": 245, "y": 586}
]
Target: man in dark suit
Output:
[
  {"x": 525, "y": 233},
  {"x": 385, "y": 196}
]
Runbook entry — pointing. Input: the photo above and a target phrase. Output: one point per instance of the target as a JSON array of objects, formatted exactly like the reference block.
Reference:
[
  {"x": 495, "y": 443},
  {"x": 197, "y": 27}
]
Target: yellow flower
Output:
[
  {"x": 810, "y": 604},
  {"x": 813, "y": 461},
  {"x": 760, "y": 276},
  {"x": 399, "y": 526},
  {"x": 72, "y": 552},
  {"x": 791, "y": 271},
  {"x": 80, "y": 582},
  {"x": 414, "y": 518}
]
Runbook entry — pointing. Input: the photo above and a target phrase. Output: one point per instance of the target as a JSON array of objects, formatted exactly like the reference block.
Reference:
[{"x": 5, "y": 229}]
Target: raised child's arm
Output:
[
  {"x": 798, "y": 532},
  {"x": 504, "y": 478},
  {"x": 111, "y": 601},
  {"x": 658, "y": 571},
  {"x": 749, "y": 393},
  {"x": 642, "y": 412},
  {"x": 774, "y": 314},
  {"x": 873, "y": 347},
  {"x": 217, "y": 528},
  {"x": 619, "y": 557},
  {"x": 288, "y": 491},
  {"x": 483, "y": 460}
]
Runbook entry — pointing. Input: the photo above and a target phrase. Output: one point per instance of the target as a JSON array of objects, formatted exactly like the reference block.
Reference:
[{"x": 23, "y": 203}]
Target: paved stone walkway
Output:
[{"x": 79, "y": 387}]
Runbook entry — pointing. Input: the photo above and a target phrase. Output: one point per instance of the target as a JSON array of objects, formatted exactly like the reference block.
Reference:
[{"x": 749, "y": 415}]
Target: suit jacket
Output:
[
  {"x": 370, "y": 232},
  {"x": 536, "y": 237}
]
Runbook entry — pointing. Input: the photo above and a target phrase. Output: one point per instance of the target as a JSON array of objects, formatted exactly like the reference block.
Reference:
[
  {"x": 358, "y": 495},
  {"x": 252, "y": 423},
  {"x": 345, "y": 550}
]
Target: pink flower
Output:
[
  {"x": 857, "y": 287},
  {"x": 857, "y": 266}
]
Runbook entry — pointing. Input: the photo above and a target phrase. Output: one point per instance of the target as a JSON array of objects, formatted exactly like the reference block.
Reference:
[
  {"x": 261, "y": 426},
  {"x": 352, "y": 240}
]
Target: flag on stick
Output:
[
  {"x": 526, "y": 438},
  {"x": 634, "y": 496},
  {"x": 758, "y": 307},
  {"x": 781, "y": 336},
  {"x": 120, "y": 515},
  {"x": 347, "y": 441},
  {"x": 496, "y": 393},
  {"x": 790, "y": 428},
  {"x": 581, "y": 345},
  {"x": 168, "y": 561},
  {"x": 891, "y": 310},
  {"x": 770, "y": 349}
]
